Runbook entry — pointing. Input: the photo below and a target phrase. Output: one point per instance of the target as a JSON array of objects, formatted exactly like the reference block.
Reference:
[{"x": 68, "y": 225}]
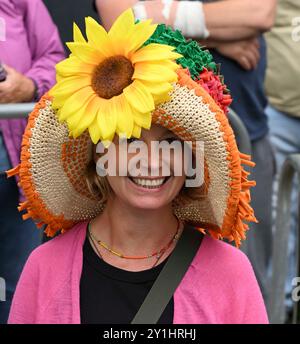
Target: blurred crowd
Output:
[{"x": 257, "y": 44}]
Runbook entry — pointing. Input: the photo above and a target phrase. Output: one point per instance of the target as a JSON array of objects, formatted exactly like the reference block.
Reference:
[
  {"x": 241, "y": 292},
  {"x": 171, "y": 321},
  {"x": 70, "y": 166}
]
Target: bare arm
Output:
[
  {"x": 249, "y": 13},
  {"x": 109, "y": 10},
  {"x": 221, "y": 35},
  {"x": 239, "y": 19},
  {"x": 226, "y": 20}
]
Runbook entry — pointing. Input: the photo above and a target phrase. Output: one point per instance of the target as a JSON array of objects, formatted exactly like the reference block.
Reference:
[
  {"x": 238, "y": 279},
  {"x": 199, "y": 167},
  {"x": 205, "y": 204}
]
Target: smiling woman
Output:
[
  {"x": 147, "y": 84},
  {"x": 169, "y": 161},
  {"x": 139, "y": 188}
]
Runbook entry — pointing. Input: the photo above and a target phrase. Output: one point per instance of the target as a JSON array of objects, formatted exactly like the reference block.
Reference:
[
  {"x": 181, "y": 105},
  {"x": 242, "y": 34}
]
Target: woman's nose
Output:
[
  {"x": 154, "y": 160},
  {"x": 149, "y": 160}
]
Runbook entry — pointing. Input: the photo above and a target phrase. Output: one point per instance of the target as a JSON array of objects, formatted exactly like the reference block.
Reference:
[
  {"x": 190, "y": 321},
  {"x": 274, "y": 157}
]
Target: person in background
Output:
[
  {"x": 28, "y": 54},
  {"x": 284, "y": 107},
  {"x": 233, "y": 30}
]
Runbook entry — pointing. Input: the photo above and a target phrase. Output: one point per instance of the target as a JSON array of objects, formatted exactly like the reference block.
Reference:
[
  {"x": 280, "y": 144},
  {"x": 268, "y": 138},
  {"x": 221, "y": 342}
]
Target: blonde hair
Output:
[{"x": 98, "y": 186}]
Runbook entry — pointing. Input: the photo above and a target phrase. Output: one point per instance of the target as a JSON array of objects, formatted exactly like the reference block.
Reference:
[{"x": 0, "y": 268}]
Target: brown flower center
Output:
[{"x": 111, "y": 76}]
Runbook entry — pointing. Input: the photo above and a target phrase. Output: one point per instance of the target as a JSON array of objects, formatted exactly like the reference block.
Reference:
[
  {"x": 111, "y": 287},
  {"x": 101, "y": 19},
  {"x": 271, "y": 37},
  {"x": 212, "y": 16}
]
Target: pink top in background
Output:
[
  {"x": 218, "y": 288},
  {"x": 32, "y": 46}
]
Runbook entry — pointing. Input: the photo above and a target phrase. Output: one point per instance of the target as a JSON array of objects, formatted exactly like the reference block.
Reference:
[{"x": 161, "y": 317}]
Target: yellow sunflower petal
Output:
[
  {"x": 119, "y": 34},
  {"x": 142, "y": 119},
  {"x": 95, "y": 131},
  {"x": 136, "y": 131},
  {"x": 168, "y": 64},
  {"x": 90, "y": 115},
  {"x": 75, "y": 102},
  {"x": 94, "y": 31},
  {"x": 139, "y": 97},
  {"x": 86, "y": 53},
  {"x": 123, "y": 24},
  {"x": 77, "y": 35},
  {"x": 106, "y": 143},
  {"x": 139, "y": 35},
  {"x": 73, "y": 66},
  {"x": 59, "y": 77},
  {"x": 124, "y": 116},
  {"x": 154, "y": 52},
  {"x": 66, "y": 87},
  {"x": 82, "y": 116},
  {"x": 98, "y": 37},
  {"x": 107, "y": 119},
  {"x": 158, "y": 88},
  {"x": 154, "y": 72},
  {"x": 161, "y": 98}
]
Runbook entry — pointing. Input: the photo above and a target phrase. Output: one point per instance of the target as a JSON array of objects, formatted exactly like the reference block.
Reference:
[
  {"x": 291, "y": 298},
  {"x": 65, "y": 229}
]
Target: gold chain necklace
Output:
[{"x": 158, "y": 254}]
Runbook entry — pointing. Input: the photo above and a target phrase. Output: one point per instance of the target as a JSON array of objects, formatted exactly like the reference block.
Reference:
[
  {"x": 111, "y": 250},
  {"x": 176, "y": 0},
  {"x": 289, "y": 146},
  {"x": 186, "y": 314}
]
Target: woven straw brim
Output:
[{"x": 53, "y": 165}]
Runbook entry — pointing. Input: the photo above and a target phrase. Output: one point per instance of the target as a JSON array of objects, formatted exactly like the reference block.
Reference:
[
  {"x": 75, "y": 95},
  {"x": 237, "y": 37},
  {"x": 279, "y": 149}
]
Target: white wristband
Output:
[
  {"x": 139, "y": 11},
  {"x": 167, "y": 8},
  {"x": 190, "y": 19},
  {"x": 141, "y": 14}
]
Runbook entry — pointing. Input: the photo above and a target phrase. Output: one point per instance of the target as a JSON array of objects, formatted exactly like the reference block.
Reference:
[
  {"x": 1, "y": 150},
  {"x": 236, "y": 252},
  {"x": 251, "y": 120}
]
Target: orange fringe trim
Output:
[
  {"x": 35, "y": 207},
  {"x": 238, "y": 208}
]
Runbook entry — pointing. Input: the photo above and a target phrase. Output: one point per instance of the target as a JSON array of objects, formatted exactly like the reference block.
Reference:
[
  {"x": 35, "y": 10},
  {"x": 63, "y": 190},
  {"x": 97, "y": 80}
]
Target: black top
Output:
[{"x": 110, "y": 295}]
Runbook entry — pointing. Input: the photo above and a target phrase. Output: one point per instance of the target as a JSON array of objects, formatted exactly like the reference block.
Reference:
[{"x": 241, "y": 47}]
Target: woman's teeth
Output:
[{"x": 149, "y": 183}]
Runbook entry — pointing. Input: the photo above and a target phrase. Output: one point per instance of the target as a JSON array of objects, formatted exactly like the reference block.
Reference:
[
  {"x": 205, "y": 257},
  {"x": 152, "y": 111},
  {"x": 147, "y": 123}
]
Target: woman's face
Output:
[{"x": 149, "y": 181}]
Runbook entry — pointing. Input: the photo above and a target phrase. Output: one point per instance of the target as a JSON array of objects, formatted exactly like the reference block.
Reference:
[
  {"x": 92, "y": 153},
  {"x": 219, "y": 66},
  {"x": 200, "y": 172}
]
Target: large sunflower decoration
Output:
[{"x": 112, "y": 81}]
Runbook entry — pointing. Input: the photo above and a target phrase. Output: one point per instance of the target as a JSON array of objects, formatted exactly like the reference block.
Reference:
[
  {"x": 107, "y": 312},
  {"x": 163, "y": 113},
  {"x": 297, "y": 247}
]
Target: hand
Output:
[
  {"x": 17, "y": 88},
  {"x": 245, "y": 53}
]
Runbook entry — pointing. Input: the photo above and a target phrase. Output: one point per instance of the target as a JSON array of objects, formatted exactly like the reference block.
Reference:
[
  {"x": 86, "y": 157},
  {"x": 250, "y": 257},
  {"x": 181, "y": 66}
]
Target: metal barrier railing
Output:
[
  {"x": 240, "y": 132},
  {"x": 277, "y": 310},
  {"x": 14, "y": 111},
  {"x": 21, "y": 110}
]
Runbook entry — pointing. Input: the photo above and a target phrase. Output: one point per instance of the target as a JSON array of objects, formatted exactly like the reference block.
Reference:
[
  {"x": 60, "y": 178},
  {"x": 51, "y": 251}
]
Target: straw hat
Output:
[{"x": 121, "y": 82}]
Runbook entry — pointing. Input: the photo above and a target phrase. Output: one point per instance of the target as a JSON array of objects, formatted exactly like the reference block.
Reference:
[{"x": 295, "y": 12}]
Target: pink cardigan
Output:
[{"x": 218, "y": 288}]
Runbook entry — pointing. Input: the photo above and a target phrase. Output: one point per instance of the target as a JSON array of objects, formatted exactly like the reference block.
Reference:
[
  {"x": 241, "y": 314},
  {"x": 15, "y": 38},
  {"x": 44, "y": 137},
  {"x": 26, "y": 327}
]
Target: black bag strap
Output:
[{"x": 169, "y": 277}]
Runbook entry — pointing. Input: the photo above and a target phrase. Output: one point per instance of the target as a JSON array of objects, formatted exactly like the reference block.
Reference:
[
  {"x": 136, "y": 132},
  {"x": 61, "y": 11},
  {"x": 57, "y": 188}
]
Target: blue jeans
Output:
[
  {"x": 285, "y": 137},
  {"x": 17, "y": 237}
]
